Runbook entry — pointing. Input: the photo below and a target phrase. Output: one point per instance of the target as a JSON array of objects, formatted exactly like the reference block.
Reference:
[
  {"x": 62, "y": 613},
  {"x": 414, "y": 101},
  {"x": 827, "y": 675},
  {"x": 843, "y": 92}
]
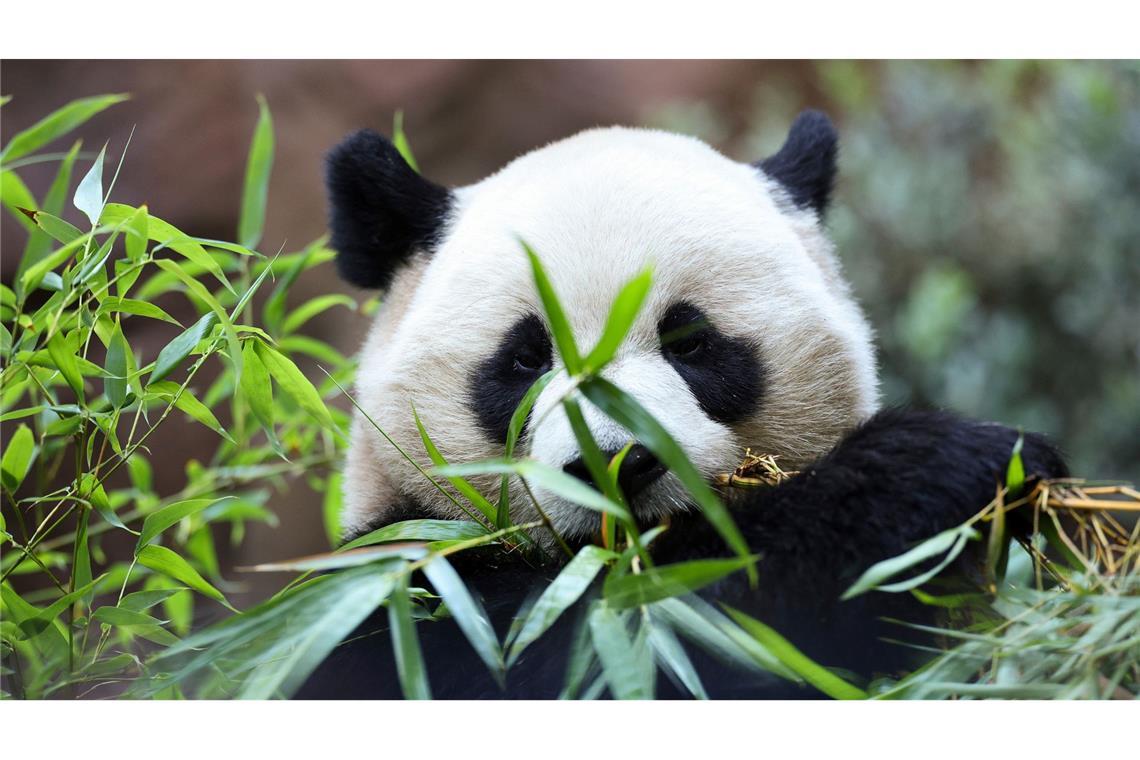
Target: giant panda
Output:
[{"x": 781, "y": 361}]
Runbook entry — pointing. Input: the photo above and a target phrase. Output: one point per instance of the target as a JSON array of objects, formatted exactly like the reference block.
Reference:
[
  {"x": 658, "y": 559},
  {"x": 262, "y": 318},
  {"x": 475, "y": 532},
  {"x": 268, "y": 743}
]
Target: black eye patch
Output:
[
  {"x": 724, "y": 373},
  {"x": 501, "y": 380}
]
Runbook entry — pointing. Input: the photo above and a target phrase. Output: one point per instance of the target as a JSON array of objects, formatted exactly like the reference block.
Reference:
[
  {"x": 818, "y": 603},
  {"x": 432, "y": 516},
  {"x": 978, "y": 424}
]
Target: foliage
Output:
[{"x": 80, "y": 404}]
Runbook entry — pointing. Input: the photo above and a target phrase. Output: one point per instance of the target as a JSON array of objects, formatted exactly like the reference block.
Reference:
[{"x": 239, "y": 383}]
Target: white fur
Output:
[{"x": 597, "y": 208}]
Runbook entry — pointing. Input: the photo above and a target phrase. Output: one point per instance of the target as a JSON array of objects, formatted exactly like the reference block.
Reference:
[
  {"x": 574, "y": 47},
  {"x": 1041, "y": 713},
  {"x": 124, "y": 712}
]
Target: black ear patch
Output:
[
  {"x": 380, "y": 209},
  {"x": 805, "y": 164}
]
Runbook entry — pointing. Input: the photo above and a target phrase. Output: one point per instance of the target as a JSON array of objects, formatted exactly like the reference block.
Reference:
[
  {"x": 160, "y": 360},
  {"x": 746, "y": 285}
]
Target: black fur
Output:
[
  {"x": 724, "y": 373},
  {"x": 805, "y": 164},
  {"x": 899, "y": 478},
  {"x": 500, "y": 381},
  {"x": 380, "y": 209}
]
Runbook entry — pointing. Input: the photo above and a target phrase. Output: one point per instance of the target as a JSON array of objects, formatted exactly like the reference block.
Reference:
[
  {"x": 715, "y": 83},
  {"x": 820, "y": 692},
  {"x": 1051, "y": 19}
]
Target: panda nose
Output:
[{"x": 638, "y": 470}]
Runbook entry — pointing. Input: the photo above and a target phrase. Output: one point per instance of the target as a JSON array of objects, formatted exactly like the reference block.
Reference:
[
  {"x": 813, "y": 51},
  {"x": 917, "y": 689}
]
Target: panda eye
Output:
[
  {"x": 530, "y": 362},
  {"x": 686, "y": 346},
  {"x": 685, "y": 332}
]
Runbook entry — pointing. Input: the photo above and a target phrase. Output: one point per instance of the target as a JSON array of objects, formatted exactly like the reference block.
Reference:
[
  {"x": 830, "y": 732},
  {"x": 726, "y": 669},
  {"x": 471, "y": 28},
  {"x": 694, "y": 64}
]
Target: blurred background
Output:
[{"x": 988, "y": 214}]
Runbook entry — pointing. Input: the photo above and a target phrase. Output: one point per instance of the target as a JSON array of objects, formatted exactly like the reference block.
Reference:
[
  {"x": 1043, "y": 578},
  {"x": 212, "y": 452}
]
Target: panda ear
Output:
[
  {"x": 805, "y": 164},
  {"x": 381, "y": 210}
]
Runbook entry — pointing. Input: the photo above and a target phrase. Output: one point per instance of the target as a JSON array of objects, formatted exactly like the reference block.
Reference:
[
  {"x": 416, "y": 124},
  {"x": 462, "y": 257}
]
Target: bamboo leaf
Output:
[
  {"x": 116, "y": 304},
  {"x": 257, "y": 170},
  {"x": 117, "y": 365},
  {"x": 257, "y": 390},
  {"x": 662, "y": 582},
  {"x": 157, "y": 522},
  {"x": 672, "y": 656},
  {"x": 62, "y": 352},
  {"x": 420, "y": 530},
  {"x": 556, "y": 598},
  {"x": 469, "y": 492},
  {"x": 625, "y": 410},
  {"x": 950, "y": 541},
  {"x": 559, "y": 325},
  {"x": 543, "y": 476},
  {"x": 306, "y": 311},
  {"x": 330, "y": 619},
  {"x": 89, "y": 194},
  {"x": 19, "y": 453},
  {"x": 293, "y": 382},
  {"x": 622, "y": 314},
  {"x": 624, "y": 674},
  {"x": 165, "y": 561},
  {"x": 178, "y": 349},
  {"x": 406, "y": 645},
  {"x": 57, "y": 124},
  {"x": 819, "y": 677},
  {"x": 514, "y": 430},
  {"x": 468, "y": 614}
]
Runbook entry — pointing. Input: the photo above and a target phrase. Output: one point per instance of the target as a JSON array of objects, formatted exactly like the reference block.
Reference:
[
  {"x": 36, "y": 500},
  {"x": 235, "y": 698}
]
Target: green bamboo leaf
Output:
[
  {"x": 341, "y": 559},
  {"x": 15, "y": 196},
  {"x": 188, "y": 404},
  {"x": 19, "y": 453},
  {"x": 140, "y": 601},
  {"x": 420, "y": 530},
  {"x": 624, "y": 674},
  {"x": 622, "y": 314},
  {"x": 819, "y": 677},
  {"x": 116, "y": 304},
  {"x": 555, "y": 315},
  {"x": 468, "y": 614},
  {"x": 306, "y": 311},
  {"x": 178, "y": 349},
  {"x": 951, "y": 542},
  {"x": 1015, "y": 471},
  {"x": 293, "y": 382},
  {"x": 672, "y": 657},
  {"x": 165, "y": 561},
  {"x": 625, "y": 410},
  {"x": 93, "y": 492},
  {"x": 57, "y": 124},
  {"x": 123, "y": 617},
  {"x": 469, "y": 492},
  {"x": 329, "y": 620},
  {"x": 406, "y": 645},
  {"x": 257, "y": 169},
  {"x": 62, "y": 352},
  {"x": 331, "y": 507},
  {"x": 157, "y": 522},
  {"x": 708, "y": 628},
  {"x": 60, "y": 230},
  {"x": 556, "y": 598},
  {"x": 400, "y": 140},
  {"x": 541, "y": 475},
  {"x": 257, "y": 390},
  {"x": 39, "y": 243},
  {"x": 118, "y": 368},
  {"x": 36, "y": 625},
  {"x": 514, "y": 430},
  {"x": 35, "y": 273},
  {"x": 136, "y": 234},
  {"x": 662, "y": 582},
  {"x": 169, "y": 236},
  {"x": 89, "y": 194}
]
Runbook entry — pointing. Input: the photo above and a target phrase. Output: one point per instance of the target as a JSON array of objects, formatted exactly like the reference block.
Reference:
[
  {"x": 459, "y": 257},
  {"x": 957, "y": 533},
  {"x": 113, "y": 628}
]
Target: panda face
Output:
[{"x": 749, "y": 337}]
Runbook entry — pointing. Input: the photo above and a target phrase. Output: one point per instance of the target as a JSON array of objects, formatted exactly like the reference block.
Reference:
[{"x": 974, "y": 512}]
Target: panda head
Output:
[{"x": 749, "y": 336}]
